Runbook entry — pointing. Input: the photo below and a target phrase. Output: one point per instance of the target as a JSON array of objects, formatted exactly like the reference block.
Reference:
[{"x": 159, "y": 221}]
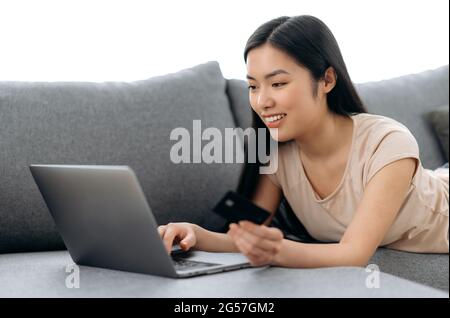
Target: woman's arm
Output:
[
  {"x": 209, "y": 241},
  {"x": 267, "y": 195},
  {"x": 376, "y": 212}
]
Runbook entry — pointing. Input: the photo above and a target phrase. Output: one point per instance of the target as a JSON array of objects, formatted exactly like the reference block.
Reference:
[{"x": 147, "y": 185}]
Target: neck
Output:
[{"x": 326, "y": 138}]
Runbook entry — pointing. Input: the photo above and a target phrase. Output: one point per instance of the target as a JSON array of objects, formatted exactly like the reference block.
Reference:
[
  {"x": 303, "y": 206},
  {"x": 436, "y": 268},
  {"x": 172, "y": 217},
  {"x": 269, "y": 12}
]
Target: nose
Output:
[{"x": 264, "y": 100}]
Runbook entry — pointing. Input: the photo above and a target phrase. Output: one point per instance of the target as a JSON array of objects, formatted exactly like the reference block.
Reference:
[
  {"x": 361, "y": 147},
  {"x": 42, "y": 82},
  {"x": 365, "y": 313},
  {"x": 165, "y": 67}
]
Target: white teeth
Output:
[{"x": 274, "y": 118}]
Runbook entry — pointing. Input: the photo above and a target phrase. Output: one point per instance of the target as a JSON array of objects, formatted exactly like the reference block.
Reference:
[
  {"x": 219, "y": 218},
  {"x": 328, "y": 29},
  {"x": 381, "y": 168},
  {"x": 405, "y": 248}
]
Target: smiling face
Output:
[{"x": 281, "y": 93}]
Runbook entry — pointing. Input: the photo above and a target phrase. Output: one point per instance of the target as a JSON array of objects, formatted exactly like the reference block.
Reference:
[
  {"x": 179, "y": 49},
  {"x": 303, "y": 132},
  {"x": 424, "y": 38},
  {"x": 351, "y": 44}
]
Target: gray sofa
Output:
[{"x": 130, "y": 124}]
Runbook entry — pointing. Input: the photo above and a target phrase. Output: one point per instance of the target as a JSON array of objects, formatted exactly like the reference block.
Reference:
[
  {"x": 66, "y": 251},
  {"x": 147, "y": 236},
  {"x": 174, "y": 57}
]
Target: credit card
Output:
[{"x": 234, "y": 208}]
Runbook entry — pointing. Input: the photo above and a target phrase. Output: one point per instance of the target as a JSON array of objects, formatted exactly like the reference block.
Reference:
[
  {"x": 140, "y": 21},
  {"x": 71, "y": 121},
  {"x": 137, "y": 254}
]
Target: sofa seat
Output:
[{"x": 43, "y": 274}]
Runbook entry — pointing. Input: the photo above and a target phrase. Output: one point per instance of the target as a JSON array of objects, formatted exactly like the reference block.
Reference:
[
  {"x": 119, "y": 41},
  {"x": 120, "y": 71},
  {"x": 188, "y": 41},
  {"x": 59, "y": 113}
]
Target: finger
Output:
[
  {"x": 258, "y": 260},
  {"x": 162, "y": 230},
  {"x": 232, "y": 228},
  {"x": 248, "y": 247},
  {"x": 263, "y": 231},
  {"x": 236, "y": 232},
  {"x": 188, "y": 241},
  {"x": 169, "y": 237},
  {"x": 257, "y": 241},
  {"x": 255, "y": 255},
  {"x": 251, "y": 250}
]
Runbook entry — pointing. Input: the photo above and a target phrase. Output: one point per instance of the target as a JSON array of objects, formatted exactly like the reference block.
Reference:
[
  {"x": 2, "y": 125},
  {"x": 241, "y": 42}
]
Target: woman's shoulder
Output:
[
  {"x": 373, "y": 129},
  {"x": 368, "y": 121},
  {"x": 381, "y": 140}
]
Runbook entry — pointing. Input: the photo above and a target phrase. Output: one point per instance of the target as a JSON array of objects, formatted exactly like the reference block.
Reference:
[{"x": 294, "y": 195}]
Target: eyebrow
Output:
[{"x": 271, "y": 74}]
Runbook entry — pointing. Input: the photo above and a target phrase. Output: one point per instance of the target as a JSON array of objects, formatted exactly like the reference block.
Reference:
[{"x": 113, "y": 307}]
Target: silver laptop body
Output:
[{"x": 105, "y": 221}]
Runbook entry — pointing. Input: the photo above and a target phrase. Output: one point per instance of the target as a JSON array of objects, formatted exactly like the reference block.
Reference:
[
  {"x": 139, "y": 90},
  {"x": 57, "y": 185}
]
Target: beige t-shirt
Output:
[{"x": 422, "y": 223}]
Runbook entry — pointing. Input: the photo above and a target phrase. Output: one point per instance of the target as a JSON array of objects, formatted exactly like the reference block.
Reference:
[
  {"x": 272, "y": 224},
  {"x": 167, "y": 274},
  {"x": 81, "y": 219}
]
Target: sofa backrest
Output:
[
  {"x": 407, "y": 99},
  {"x": 110, "y": 123}
]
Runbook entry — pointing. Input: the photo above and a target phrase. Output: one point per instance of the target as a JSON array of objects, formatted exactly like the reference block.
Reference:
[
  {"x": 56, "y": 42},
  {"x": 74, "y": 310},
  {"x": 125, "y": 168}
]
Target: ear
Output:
[{"x": 330, "y": 79}]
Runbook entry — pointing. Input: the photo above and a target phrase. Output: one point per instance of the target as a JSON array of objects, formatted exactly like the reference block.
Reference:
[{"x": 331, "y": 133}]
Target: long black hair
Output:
[{"x": 310, "y": 42}]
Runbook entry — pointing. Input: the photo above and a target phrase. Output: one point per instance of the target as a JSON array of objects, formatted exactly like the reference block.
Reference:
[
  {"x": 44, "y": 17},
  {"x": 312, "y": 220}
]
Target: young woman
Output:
[{"x": 350, "y": 177}]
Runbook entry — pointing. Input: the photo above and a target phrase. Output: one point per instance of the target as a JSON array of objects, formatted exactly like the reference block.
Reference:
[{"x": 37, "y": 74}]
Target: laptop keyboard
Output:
[{"x": 183, "y": 264}]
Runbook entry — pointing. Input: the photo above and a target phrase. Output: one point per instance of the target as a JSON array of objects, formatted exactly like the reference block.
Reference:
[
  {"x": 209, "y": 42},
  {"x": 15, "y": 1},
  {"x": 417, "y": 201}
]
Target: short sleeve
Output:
[{"x": 395, "y": 145}]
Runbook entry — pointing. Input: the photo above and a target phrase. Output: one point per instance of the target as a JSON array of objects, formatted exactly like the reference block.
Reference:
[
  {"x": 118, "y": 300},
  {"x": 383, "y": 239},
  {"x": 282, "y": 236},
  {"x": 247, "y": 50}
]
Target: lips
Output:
[
  {"x": 273, "y": 121},
  {"x": 273, "y": 118}
]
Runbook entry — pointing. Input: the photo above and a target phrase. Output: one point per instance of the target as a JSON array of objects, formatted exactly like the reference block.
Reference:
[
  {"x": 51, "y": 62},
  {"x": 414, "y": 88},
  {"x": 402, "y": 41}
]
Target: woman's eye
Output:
[
  {"x": 251, "y": 87},
  {"x": 278, "y": 84}
]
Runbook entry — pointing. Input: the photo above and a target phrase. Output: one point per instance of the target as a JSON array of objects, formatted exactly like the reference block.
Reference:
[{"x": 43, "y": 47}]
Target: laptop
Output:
[{"x": 105, "y": 221}]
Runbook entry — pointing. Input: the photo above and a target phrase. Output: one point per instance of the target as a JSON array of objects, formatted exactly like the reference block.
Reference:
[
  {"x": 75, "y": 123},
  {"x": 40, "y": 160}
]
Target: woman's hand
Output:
[
  {"x": 178, "y": 233},
  {"x": 259, "y": 243}
]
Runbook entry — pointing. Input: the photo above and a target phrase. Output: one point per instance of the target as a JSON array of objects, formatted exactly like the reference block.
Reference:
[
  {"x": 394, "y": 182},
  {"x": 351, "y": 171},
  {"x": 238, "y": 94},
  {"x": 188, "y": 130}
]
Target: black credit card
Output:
[{"x": 234, "y": 208}]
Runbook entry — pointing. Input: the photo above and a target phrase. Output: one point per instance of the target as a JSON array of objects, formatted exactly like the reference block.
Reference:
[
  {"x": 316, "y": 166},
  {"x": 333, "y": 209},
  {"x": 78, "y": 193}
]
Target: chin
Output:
[{"x": 279, "y": 136}]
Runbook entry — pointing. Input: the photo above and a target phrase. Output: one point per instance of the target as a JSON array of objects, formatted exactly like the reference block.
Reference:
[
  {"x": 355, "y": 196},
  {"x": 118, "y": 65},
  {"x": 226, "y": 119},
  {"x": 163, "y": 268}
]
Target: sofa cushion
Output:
[
  {"x": 46, "y": 274},
  {"x": 239, "y": 102},
  {"x": 110, "y": 123},
  {"x": 438, "y": 119},
  {"x": 408, "y": 99},
  {"x": 427, "y": 269}
]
